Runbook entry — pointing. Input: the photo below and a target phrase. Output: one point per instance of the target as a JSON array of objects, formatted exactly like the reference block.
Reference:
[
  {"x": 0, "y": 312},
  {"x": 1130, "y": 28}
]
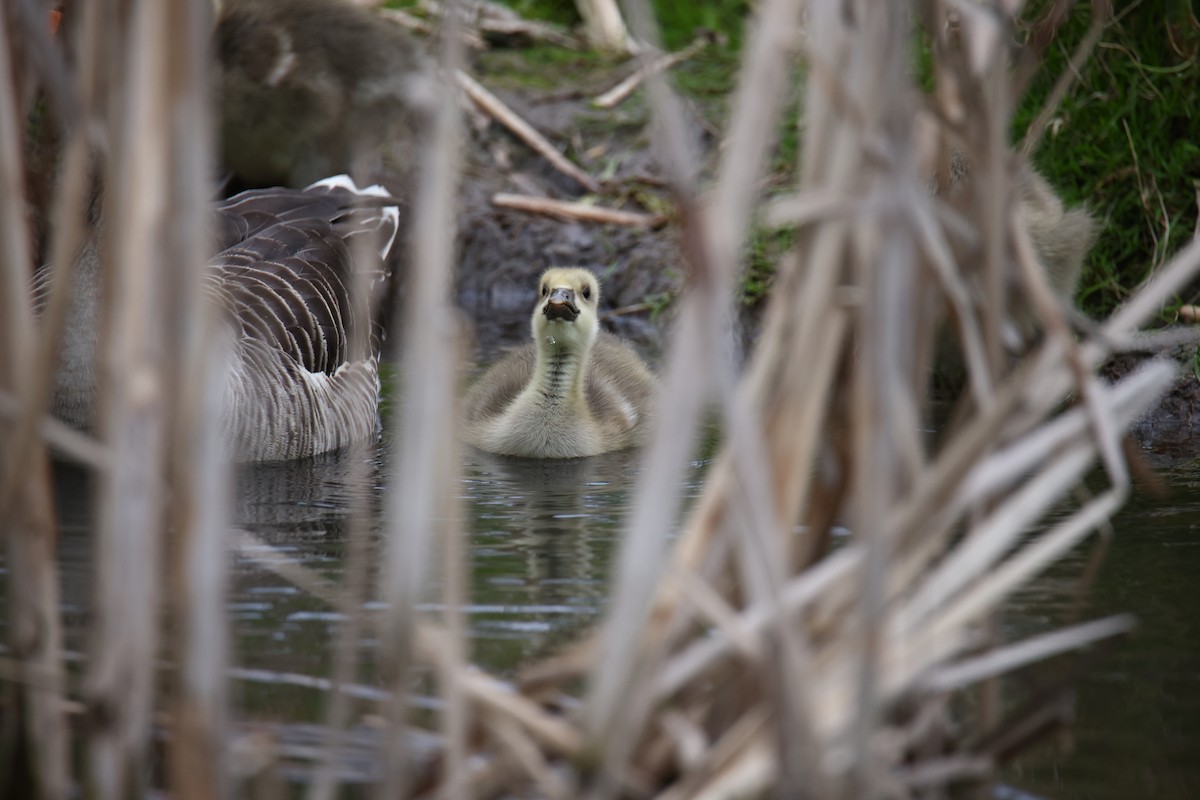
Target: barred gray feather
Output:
[{"x": 303, "y": 374}]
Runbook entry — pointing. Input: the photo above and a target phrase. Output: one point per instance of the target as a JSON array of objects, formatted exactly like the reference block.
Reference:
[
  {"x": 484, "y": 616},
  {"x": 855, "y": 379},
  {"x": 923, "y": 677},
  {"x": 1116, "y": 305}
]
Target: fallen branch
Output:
[
  {"x": 495, "y": 107},
  {"x": 635, "y": 308},
  {"x": 577, "y": 211},
  {"x": 622, "y": 90}
]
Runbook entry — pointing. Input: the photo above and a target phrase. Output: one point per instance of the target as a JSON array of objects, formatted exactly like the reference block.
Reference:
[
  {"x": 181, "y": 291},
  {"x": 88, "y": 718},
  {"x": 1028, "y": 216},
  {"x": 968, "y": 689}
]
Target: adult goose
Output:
[
  {"x": 573, "y": 391},
  {"x": 302, "y": 376}
]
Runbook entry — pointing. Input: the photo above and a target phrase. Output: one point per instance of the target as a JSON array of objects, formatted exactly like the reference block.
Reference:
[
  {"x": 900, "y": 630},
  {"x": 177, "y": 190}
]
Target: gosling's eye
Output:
[
  {"x": 587, "y": 293},
  {"x": 545, "y": 289}
]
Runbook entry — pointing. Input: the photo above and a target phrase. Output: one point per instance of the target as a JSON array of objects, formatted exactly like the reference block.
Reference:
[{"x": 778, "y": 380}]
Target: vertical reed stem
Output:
[
  {"x": 423, "y": 472},
  {"x": 39, "y": 732},
  {"x": 198, "y": 464},
  {"x": 121, "y": 678}
]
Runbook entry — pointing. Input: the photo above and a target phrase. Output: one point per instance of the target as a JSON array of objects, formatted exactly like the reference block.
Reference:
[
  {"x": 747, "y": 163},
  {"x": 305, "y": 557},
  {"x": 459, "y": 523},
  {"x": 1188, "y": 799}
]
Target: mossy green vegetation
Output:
[{"x": 1124, "y": 140}]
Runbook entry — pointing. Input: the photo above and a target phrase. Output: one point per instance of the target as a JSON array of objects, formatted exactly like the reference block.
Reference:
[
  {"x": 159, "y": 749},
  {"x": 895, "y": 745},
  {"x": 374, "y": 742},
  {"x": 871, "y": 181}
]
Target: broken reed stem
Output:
[
  {"x": 1036, "y": 648},
  {"x": 424, "y": 478}
]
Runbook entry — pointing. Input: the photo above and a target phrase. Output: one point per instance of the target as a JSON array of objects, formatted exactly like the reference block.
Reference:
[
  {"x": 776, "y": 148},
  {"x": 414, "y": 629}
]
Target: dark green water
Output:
[
  {"x": 1137, "y": 729},
  {"x": 543, "y": 534}
]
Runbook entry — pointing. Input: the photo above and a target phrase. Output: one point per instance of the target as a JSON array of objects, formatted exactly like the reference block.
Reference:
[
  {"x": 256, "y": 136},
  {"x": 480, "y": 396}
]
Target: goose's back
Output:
[{"x": 304, "y": 373}]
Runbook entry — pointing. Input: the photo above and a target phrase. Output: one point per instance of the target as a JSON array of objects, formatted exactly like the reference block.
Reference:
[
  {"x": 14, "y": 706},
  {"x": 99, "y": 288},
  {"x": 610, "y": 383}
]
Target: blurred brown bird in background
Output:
[{"x": 312, "y": 88}]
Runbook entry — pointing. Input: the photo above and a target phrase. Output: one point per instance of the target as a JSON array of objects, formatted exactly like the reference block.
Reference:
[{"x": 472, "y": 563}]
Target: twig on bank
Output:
[
  {"x": 495, "y": 107},
  {"x": 577, "y": 211},
  {"x": 622, "y": 90},
  {"x": 418, "y": 25},
  {"x": 633, "y": 308}
]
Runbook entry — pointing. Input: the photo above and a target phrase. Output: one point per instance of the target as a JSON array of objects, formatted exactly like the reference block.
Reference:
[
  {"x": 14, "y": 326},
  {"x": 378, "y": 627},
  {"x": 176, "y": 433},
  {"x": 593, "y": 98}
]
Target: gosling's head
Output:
[{"x": 566, "y": 311}]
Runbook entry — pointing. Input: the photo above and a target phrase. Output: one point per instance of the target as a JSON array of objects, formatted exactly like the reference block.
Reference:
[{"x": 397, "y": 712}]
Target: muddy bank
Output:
[
  {"x": 1172, "y": 426},
  {"x": 502, "y": 252}
]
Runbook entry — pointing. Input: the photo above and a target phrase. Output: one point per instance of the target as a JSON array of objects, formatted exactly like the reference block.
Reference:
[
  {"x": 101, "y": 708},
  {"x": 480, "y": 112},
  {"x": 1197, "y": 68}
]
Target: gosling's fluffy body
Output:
[{"x": 573, "y": 391}]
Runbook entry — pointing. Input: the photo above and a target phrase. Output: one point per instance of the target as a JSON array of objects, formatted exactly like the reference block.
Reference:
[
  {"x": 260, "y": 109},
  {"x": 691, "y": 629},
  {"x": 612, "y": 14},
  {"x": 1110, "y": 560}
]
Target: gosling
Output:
[{"x": 573, "y": 391}]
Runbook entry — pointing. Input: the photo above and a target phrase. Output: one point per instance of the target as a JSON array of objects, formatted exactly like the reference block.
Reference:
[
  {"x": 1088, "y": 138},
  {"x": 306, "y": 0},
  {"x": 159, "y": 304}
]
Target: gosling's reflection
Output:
[{"x": 543, "y": 533}]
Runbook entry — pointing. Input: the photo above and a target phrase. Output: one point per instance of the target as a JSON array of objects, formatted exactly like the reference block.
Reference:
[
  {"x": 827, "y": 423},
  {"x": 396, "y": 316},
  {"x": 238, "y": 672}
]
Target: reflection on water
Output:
[
  {"x": 1137, "y": 731},
  {"x": 542, "y": 535}
]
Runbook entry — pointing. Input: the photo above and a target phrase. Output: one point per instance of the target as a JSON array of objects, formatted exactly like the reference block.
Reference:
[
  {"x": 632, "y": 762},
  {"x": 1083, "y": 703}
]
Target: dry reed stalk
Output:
[
  {"x": 782, "y": 375},
  {"x": 39, "y": 732},
  {"x": 352, "y": 596},
  {"x": 325, "y": 783},
  {"x": 604, "y": 26},
  {"x": 198, "y": 463},
  {"x": 455, "y": 719},
  {"x": 67, "y": 239},
  {"x": 418, "y": 25},
  {"x": 356, "y": 571},
  {"x": 425, "y": 474},
  {"x": 715, "y": 239},
  {"x": 885, "y": 258},
  {"x": 120, "y": 684},
  {"x": 1036, "y": 648},
  {"x": 612, "y": 714}
]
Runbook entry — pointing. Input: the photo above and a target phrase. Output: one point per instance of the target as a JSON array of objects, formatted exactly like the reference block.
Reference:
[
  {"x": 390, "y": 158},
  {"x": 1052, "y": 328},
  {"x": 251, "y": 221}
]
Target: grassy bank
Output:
[{"x": 1124, "y": 139}]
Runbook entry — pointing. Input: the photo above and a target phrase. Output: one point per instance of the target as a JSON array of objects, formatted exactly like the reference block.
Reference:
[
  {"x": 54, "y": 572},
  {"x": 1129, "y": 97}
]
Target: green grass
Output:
[
  {"x": 1125, "y": 141},
  {"x": 765, "y": 249}
]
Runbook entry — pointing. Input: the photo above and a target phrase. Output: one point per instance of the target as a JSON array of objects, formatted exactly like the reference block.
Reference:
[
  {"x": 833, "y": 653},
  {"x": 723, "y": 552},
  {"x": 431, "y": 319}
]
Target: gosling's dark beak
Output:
[{"x": 561, "y": 305}]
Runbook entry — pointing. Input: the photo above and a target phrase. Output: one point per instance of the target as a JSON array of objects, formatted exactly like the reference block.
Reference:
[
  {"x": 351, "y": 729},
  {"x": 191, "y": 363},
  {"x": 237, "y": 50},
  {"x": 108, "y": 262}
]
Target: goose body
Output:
[
  {"x": 302, "y": 375},
  {"x": 573, "y": 391},
  {"x": 309, "y": 88}
]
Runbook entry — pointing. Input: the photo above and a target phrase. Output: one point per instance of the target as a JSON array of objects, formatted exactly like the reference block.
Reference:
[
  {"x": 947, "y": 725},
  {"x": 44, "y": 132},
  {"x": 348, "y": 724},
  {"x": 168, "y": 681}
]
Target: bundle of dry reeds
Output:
[{"x": 747, "y": 652}]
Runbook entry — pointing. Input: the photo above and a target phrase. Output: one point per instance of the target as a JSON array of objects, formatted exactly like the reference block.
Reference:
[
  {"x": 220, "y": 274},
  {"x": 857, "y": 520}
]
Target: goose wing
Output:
[
  {"x": 620, "y": 389},
  {"x": 286, "y": 271}
]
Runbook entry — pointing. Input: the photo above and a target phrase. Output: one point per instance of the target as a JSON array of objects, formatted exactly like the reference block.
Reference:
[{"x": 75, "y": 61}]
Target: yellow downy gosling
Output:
[{"x": 573, "y": 391}]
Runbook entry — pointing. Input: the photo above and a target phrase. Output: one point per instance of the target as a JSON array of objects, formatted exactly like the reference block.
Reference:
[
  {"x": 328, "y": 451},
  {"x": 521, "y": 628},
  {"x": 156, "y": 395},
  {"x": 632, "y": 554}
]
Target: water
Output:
[
  {"x": 543, "y": 534},
  {"x": 1137, "y": 729}
]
